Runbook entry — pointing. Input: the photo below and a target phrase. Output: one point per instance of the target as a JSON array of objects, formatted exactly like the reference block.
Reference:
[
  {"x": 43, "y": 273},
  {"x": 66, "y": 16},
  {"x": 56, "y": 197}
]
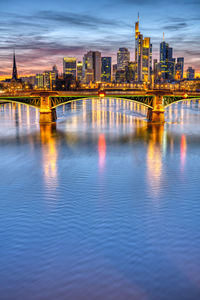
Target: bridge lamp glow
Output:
[
  {"x": 185, "y": 96},
  {"x": 101, "y": 95}
]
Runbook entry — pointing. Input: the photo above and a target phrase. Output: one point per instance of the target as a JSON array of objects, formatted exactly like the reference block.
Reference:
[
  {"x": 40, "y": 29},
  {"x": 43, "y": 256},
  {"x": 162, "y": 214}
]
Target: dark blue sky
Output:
[{"x": 43, "y": 32}]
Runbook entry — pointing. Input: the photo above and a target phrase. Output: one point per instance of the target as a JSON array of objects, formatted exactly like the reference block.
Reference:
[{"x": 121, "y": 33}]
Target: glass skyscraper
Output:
[
  {"x": 69, "y": 66},
  {"x": 123, "y": 58},
  {"x": 167, "y": 62},
  {"x": 106, "y": 65}
]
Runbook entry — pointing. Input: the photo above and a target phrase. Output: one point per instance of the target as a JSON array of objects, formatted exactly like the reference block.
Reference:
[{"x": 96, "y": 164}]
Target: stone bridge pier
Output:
[
  {"x": 157, "y": 113},
  {"x": 47, "y": 113}
]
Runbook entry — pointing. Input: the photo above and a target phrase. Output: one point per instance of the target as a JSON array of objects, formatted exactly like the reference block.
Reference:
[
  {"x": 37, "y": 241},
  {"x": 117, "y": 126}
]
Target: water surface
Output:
[{"x": 102, "y": 205}]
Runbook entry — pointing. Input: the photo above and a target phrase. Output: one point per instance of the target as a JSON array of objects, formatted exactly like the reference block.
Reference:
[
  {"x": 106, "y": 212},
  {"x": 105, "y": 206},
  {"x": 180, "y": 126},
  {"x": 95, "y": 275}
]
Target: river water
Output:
[{"x": 102, "y": 205}]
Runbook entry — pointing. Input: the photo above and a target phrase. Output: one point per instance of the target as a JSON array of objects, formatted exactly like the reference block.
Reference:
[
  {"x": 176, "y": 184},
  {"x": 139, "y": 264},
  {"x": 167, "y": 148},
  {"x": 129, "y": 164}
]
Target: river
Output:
[{"x": 100, "y": 205}]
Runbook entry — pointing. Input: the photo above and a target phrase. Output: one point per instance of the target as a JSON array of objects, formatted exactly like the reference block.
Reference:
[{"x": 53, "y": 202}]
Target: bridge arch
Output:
[
  {"x": 55, "y": 105},
  {"x": 33, "y": 102},
  {"x": 182, "y": 100}
]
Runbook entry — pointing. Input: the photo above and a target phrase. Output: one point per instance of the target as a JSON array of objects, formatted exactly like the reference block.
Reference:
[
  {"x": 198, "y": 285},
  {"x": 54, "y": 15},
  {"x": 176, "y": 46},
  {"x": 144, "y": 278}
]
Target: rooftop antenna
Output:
[{"x": 163, "y": 36}]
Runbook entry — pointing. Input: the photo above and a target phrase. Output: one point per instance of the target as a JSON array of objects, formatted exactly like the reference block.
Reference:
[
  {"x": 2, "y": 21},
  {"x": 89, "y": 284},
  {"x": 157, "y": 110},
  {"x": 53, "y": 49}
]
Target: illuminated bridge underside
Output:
[
  {"x": 167, "y": 101},
  {"x": 156, "y": 102},
  {"x": 30, "y": 101},
  {"x": 60, "y": 100},
  {"x": 143, "y": 100}
]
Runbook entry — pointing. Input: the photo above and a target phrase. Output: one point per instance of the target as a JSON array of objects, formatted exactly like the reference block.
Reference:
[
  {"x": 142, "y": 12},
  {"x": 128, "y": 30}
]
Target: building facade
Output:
[
  {"x": 106, "y": 67},
  {"x": 190, "y": 73},
  {"x": 167, "y": 62},
  {"x": 69, "y": 67},
  {"x": 92, "y": 67},
  {"x": 123, "y": 58},
  {"x": 143, "y": 56},
  {"x": 179, "y": 68}
]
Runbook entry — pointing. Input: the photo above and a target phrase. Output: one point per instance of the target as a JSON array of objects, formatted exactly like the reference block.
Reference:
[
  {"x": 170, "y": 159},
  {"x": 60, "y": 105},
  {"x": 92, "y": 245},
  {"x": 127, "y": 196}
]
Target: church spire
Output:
[{"x": 14, "y": 73}]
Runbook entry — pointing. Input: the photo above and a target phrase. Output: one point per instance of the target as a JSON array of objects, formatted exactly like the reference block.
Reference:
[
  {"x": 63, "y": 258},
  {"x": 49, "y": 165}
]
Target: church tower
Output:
[{"x": 14, "y": 72}]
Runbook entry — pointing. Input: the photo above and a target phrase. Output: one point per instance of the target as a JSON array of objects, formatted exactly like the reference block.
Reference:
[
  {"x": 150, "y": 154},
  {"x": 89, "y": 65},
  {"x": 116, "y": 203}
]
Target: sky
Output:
[{"x": 44, "y": 31}]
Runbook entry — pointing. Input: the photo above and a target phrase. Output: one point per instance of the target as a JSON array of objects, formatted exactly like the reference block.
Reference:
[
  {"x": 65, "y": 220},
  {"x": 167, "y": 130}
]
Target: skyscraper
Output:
[
  {"x": 143, "y": 55},
  {"x": 92, "y": 66},
  {"x": 14, "y": 72},
  {"x": 69, "y": 66},
  {"x": 179, "y": 69},
  {"x": 123, "y": 58},
  {"x": 167, "y": 62},
  {"x": 190, "y": 73},
  {"x": 80, "y": 70},
  {"x": 106, "y": 64},
  {"x": 130, "y": 72},
  {"x": 97, "y": 66}
]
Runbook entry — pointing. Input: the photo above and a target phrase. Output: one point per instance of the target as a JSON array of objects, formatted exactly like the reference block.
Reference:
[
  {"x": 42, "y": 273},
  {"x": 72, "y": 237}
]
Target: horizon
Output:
[{"x": 75, "y": 29}]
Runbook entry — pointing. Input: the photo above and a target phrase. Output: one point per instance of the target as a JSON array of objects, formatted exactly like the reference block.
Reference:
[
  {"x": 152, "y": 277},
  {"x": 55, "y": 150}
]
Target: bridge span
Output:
[{"x": 155, "y": 100}]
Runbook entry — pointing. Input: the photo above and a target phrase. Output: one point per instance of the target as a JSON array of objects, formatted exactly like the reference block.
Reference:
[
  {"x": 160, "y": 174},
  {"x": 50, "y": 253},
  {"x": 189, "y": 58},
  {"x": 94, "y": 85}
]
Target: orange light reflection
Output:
[{"x": 102, "y": 151}]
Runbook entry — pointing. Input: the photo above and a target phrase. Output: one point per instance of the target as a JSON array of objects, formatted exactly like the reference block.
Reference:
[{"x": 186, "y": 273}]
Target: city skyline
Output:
[{"x": 43, "y": 36}]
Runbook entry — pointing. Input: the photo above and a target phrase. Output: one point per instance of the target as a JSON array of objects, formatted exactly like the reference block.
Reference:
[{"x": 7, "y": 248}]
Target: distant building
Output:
[
  {"x": 190, "y": 73},
  {"x": 131, "y": 72},
  {"x": 97, "y": 66},
  {"x": 31, "y": 80},
  {"x": 120, "y": 76},
  {"x": 55, "y": 71},
  {"x": 92, "y": 67},
  {"x": 179, "y": 68},
  {"x": 114, "y": 70},
  {"x": 123, "y": 58},
  {"x": 47, "y": 79},
  {"x": 167, "y": 62},
  {"x": 80, "y": 70},
  {"x": 69, "y": 67},
  {"x": 143, "y": 56},
  {"x": 106, "y": 67},
  {"x": 39, "y": 81}
]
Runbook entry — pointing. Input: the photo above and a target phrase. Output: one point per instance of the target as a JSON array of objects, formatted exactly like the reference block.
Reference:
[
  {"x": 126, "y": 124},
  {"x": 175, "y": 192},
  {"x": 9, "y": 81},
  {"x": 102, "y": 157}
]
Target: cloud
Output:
[
  {"x": 175, "y": 26},
  {"x": 42, "y": 38}
]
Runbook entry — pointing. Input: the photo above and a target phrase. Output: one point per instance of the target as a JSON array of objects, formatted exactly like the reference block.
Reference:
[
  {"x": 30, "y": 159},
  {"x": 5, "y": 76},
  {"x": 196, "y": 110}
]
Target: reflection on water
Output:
[
  {"x": 127, "y": 214},
  {"x": 154, "y": 158},
  {"x": 102, "y": 151},
  {"x": 49, "y": 154},
  {"x": 183, "y": 150}
]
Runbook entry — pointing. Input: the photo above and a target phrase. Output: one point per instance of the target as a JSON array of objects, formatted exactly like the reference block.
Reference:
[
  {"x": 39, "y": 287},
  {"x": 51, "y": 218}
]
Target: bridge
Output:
[{"x": 155, "y": 100}]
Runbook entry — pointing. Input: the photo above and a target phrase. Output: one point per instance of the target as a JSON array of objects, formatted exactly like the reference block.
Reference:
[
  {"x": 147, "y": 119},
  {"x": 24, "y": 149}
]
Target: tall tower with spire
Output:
[
  {"x": 14, "y": 72},
  {"x": 143, "y": 55}
]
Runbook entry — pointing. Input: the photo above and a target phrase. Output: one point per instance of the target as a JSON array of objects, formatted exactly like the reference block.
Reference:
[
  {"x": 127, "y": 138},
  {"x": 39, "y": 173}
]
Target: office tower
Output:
[
  {"x": 39, "y": 81},
  {"x": 97, "y": 66},
  {"x": 131, "y": 71},
  {"x": 106, "y": 65},
  {"x": 55, "y": 72},
  {"x": 114, "y": 70},
  {"x": 179, "y": 68},
  {"x": 143, "y": 55},
  {"x": 88, "y": 72},
  {"x": 150, "y": 59},
  {"x": 167, "y": 62},
  {"x": 80, "y": 70},
  {"x": 120, "y": 76},
  {"x": 156, "y": 70},
  {"x": 123, "y": 58},
  {"x": 190, "y": 73},
  {"x": 14, "y": 71},
  {"x": 92, "y": 66},
  {"x": 69, "y": 67},
  {"x": 46, "y": 80}
]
